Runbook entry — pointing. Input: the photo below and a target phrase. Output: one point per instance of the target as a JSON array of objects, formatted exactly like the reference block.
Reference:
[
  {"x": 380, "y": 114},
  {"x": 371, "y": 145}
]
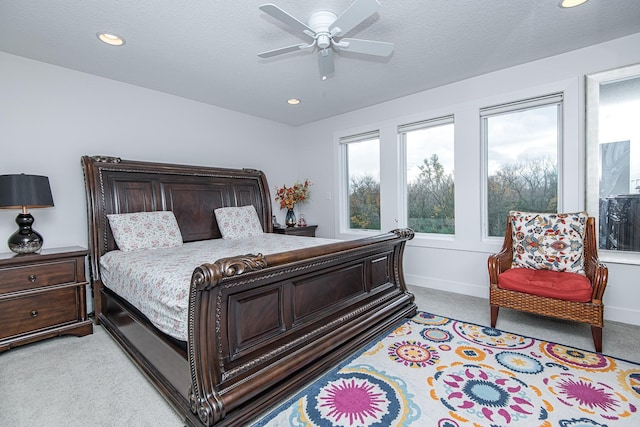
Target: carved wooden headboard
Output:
[{"x": 114, "y": 185}]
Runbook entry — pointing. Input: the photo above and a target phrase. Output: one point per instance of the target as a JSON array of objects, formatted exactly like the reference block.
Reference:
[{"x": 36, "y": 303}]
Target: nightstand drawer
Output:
[
  {"x": 42, "y": 310},
  {"x": 38, "y": 275}
]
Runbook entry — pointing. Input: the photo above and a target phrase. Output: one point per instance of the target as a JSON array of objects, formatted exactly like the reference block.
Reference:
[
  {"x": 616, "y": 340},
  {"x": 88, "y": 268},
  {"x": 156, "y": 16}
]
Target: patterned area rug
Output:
[{"x": 435, "y": 371}]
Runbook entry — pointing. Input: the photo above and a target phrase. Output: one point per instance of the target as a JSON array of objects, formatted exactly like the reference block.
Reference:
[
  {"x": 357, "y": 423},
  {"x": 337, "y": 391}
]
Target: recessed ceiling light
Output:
[
  {"x": 111, "y": 39},
  {"x": 293, "y": 101},
  {"x": 571, "y": 3}
]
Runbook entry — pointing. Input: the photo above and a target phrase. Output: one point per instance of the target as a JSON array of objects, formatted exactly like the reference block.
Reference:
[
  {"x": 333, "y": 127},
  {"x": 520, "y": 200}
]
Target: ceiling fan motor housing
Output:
[{"x": 320, "y": 22}]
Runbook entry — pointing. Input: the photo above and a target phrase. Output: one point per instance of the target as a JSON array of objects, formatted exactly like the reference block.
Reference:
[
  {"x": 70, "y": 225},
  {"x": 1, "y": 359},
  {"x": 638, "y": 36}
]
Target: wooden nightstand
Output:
[
  {"x": 42, "y": 296},
  {"x": 307, "y": 230}
]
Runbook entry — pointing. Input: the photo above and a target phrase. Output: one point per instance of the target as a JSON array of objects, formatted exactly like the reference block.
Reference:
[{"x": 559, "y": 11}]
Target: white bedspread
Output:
[{"x": 156, "y": 281}]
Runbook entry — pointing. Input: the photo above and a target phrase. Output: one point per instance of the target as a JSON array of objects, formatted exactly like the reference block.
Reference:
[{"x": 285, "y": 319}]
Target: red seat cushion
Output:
[{"x": 547, "y": 283}]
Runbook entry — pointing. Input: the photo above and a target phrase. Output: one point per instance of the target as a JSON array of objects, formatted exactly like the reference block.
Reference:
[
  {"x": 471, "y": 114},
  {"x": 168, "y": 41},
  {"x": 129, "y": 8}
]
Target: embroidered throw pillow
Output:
[
  {"x": 548, "y": 241},
  {"x": 238, "y": 222},
  {"x": 145, "y": 230}
]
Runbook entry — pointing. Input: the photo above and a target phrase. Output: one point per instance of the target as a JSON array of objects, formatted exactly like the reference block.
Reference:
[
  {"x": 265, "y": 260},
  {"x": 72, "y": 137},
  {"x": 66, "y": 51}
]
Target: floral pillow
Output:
[
  {"x": 549, "y": 241},
  {"x": 145, "y": 230},
  {"x": 238, "y": 222}
]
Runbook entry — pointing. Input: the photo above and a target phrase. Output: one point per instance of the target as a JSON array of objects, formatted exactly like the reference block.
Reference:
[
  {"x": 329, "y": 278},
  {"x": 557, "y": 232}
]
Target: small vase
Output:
[{"x": 290, "y": 218}]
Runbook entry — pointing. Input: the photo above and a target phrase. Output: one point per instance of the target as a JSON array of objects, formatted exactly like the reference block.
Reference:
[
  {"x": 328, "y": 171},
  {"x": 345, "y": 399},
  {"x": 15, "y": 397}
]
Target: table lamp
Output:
[{"x": 22, "y": 192}]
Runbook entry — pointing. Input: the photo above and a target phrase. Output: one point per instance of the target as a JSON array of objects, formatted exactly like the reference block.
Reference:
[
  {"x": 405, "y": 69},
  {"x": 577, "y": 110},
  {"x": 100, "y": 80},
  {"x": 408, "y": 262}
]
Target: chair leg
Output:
[
  {"x": 596, "y": 332},
  {"x": 494, "y": 315}
]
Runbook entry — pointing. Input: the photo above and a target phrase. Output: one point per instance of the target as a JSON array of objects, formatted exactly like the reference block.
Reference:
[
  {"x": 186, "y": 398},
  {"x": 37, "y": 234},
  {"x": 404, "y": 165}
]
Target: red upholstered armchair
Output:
[{"x": 555, "y": 271}]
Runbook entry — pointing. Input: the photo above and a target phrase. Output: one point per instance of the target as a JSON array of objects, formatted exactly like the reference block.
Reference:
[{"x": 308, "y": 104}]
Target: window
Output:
[
  {"x": 613, "y": 160},
  {"x": 361, "y": 159},
  {"x": 522, "y": 141},
  {"x": 428, "y": 148}
]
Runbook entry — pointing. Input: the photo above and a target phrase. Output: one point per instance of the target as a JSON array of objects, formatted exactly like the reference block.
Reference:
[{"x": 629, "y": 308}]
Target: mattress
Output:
[{"x": 157, "y": 281}]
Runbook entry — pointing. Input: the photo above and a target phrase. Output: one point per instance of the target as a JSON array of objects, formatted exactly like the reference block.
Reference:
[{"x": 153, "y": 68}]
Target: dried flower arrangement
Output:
[{"x": 289, "y": 196}]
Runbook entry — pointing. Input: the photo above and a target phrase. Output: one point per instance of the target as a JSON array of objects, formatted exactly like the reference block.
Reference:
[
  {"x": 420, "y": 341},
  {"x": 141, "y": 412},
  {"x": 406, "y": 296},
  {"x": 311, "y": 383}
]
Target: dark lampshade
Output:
[
  {"x": 22, "y": 192},
  {"x": 30, "y": 191}
]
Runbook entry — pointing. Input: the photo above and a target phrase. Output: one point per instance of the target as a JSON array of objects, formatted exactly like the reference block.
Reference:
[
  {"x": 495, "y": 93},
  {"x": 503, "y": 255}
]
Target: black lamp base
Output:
[{"x": 25, "y": 240}]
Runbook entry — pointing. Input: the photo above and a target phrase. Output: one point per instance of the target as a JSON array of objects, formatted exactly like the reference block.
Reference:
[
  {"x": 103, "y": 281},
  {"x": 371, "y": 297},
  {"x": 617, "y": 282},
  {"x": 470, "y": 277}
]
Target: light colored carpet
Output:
[
  {"x": 71, "y": 381},
  {"x": 89, "y": 381}
]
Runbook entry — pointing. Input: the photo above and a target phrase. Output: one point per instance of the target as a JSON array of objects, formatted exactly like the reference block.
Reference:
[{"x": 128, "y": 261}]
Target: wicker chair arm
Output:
[
  {"x": 499, "y": 263},
  {"x": 596, "y": 272},
  {"x": 599, "y": 277}
]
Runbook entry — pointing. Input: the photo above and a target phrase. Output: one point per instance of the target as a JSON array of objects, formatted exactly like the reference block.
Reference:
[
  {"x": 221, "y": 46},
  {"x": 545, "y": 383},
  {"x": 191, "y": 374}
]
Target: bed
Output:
[{"x": 259, "y": 325}]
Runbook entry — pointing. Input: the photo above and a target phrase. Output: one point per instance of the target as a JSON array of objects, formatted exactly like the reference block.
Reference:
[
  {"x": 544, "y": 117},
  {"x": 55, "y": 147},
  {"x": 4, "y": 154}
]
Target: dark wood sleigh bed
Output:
[{"x": 260, "y": 327}]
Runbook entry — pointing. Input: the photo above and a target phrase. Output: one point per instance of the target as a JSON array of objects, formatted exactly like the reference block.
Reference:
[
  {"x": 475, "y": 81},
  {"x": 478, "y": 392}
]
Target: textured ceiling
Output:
[{"x": 206, "y": 50}]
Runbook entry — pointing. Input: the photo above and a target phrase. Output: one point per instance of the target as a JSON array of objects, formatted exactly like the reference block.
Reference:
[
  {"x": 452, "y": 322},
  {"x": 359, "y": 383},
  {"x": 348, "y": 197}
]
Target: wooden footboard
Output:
[{"x": 262, "y": 327}]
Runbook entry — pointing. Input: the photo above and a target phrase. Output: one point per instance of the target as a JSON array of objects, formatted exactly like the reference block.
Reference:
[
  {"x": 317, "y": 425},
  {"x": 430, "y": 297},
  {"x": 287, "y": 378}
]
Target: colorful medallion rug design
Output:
[{"x": 440, "y": 372}]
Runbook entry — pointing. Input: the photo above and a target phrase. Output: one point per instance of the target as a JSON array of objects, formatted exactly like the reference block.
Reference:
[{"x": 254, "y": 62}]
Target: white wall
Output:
[
  {"x": 460, "y": 264},
  {"x": 50, "y": 116}
]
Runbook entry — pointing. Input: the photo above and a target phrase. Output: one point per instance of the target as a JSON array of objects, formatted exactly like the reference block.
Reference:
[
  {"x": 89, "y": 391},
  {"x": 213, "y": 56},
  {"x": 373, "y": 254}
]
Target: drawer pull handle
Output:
[
  {"x": 34, "y": 313},
  {"x": 32, "y": 278}
]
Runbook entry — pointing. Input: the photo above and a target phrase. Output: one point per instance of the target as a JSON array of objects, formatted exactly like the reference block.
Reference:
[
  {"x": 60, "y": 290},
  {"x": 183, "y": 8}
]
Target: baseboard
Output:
[
  {"x": 622, "y": 315},
  {"x": 612, "y": 313},
  {"x": 470, "y": 289}
]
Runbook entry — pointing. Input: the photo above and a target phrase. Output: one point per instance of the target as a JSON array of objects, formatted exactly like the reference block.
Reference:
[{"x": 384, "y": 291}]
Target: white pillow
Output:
[
  {"x": 238, "y": 222},
  {"x": 145, "y": 230}
]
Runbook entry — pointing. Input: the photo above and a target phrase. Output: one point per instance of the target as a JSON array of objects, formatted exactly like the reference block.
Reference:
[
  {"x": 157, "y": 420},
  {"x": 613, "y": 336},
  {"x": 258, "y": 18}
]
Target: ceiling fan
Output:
[{"x": 327, "y": 29}]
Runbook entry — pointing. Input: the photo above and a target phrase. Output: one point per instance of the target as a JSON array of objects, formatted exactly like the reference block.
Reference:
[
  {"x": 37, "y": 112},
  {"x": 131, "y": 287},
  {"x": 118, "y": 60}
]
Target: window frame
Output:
[
  {"x": 344, "y": 223},
  {"x": 592, "y": 101},
  {"x": 555, "y": 98},
  {"x": 402, "y": 130}
]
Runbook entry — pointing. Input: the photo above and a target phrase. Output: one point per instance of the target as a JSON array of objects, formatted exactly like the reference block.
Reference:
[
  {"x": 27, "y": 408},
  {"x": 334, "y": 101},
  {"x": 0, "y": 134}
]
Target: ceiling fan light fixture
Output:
[
  {"x": 323, "y": 41},
  {"x": 110, "y": 39},
  {"x": 327, "y": 29},
  {"x": 566, "y": 4},
  {"x": 325, "y": 62}
]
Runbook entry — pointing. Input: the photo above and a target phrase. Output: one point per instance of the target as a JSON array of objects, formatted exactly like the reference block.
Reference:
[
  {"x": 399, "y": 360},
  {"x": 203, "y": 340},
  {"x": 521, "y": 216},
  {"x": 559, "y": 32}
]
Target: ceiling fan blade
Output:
[
  {"x": 354, "y": 15},
  {"x": 280, "y": 51},
  {"x": 325, "y": 62},
  {"x": 368, "y": 47},
  {"x": 281, "y": 15}
]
